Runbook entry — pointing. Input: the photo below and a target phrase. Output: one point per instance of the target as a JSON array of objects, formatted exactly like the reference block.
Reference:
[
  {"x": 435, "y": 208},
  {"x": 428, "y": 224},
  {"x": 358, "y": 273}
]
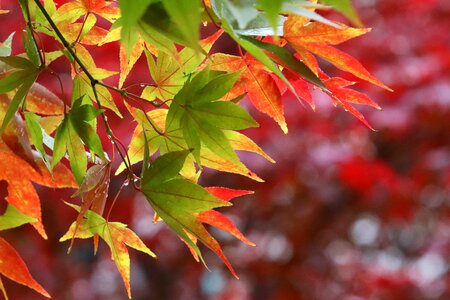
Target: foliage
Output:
[{"x": 188, "y": 117}]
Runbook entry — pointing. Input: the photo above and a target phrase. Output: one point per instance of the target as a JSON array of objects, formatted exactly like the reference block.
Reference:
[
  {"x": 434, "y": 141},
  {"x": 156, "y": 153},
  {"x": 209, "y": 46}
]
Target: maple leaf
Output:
[
  {"x": 21, "y": 192},
  {"x": 78, "y": 127},
  {"x": 116, "y": 235},
  {"x": 317, "y": 38},
  {"x": 178, "y": 202},
  {"x": 71, "y": 11},
  {"x": 170, "y": 73},
  {"x": 127, "y": 60},
  {"x": 262, "y": 88},
  {"x": 168, "y": 141},
  {"x": 342, "y": 95},
  {"x": 13, "y": 267}
]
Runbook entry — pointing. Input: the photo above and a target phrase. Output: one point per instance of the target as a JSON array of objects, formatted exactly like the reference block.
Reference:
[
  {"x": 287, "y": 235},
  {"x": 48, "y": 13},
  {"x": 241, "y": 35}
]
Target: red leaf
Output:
[
  {"x": 13, "y": 267},
  {"x": 227, "y": 194}
]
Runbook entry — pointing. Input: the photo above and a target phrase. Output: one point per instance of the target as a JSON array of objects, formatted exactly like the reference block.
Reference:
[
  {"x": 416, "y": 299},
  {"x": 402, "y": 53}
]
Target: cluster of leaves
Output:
[{"x": 195, "y": 117}]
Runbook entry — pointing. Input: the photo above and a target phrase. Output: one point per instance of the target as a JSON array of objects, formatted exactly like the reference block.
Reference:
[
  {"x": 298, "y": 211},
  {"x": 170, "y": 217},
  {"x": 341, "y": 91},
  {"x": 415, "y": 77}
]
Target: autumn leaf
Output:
[
  {"x": 116, "y": 235},
  {"x": 13, "y": 267},
  {"x": 15, "y": 151},
  {"x": 21, "y": 192},
  {"x": 343, "y": 96},
  {"x": 42, "y": 101},
  {"x": 217, "y": 219},
  {"x": 127, "y": 60},
  {"x": 317, "y": 38}
]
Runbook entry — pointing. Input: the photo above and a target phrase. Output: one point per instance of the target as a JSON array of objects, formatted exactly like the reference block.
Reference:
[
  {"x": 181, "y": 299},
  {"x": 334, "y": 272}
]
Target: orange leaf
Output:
[
  {"x": 316, "y": 32},
  {"x": 264, "y": 94},
  {"x": 13, "y": 267},
  {"x": 316, "y": 37},
  {"x": 344, "y": 62},
  {"x": 21, "y": 192},
  {"x": 102, "y": 8},
  {"x": 226, "y": 194}
]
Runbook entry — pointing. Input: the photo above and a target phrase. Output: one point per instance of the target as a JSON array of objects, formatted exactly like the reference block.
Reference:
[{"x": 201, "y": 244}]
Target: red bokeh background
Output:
[{"x": 346, "y": 213}]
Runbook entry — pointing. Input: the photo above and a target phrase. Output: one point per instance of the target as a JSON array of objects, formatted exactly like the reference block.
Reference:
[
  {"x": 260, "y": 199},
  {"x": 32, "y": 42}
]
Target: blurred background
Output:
[{"x": 345, "y": 213}]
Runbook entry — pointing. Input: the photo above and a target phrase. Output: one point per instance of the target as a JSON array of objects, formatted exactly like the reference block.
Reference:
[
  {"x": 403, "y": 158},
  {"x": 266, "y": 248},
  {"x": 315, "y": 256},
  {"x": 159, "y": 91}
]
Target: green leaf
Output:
[
  {"x": 271, "y": 9},
  {"x": 217, "y": 87},
  {"x": 18, "y": 98},
  {"x": 160, "y": 20},
  {"x": 131, "y": 13},
  {"x": 31, "y": 48},
  {"x": 190, "y": 135},
  {"x": 237, "y": 13},
  {"x": 5, "y": 47},
  {"x": 18, "y": 62},
  {"x": 13, "y": 80},
  {"x": 60, "y": 144},
  {"x": 77, "y": 154},
  {"x": 35, "y": 132},
  {"x": 177, "y": 201},
  {"x": 165, "y": 167},
  {"x": 224, "y": 115},
  {"x": 186, "y": 14},
  {"x": 346, "y": 8},
  {"x": 215, "y": 140},
  {"x": 13, "y": 218}
]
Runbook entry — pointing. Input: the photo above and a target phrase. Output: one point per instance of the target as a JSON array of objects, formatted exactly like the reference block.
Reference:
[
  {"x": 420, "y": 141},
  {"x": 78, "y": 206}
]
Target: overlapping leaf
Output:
[
  {"x": 255, "y": 80},
  {"x": 202, "y": 119},
  {"x": 77, "y": 128},
  {"x": 178, "y": 202},
  {"x": 168, "y": 141}
]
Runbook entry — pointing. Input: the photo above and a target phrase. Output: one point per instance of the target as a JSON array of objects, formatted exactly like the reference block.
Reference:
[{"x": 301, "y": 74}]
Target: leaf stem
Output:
[{"x": 93, "y": 82}]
